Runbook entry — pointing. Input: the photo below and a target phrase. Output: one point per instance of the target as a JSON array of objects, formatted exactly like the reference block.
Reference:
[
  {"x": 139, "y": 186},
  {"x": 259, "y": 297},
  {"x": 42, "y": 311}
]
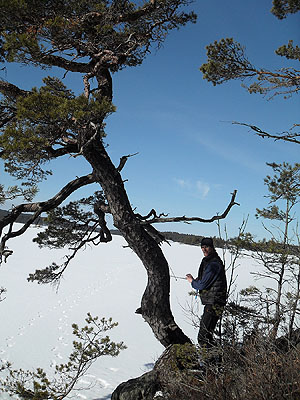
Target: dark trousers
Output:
[{"x": 208, "y": 322}]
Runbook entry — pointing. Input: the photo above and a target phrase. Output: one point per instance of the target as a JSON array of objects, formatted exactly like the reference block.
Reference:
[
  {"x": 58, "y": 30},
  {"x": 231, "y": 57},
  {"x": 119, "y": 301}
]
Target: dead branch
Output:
[
  {"x": 288, "y": 137},
  {"x": 152, "y": 213},
  {"x": 156, "y": 220},
  {"x": 123, "y": 161}
]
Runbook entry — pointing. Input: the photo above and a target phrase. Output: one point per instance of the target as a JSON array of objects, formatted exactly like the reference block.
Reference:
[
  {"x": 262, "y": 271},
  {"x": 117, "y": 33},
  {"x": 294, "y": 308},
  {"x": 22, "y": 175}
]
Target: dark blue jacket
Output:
[{"x": 211, "y": 281}]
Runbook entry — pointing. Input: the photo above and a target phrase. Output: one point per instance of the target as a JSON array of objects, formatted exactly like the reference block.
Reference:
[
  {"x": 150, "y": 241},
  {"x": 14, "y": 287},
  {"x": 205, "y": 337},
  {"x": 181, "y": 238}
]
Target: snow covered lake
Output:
[{"x": 107, "y": 281}]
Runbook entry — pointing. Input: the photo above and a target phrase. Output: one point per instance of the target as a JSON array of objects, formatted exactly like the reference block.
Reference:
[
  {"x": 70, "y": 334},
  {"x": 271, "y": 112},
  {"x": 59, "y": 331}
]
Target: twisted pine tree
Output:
[{"x": 92, "y": 39}]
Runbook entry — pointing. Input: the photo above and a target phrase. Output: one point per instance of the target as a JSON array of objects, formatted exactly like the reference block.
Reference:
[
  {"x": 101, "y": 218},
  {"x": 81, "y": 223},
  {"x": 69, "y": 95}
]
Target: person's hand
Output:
[{"x": 189, "y": 277}]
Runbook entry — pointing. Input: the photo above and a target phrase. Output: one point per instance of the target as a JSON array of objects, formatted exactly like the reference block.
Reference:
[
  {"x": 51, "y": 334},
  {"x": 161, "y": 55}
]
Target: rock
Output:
[
  {"x": 150, "y": 386},
  {"x": 144, "y": 387}
]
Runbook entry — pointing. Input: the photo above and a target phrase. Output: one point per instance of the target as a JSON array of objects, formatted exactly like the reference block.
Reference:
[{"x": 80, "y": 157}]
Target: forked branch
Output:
[{"x": 160, "y": 219}]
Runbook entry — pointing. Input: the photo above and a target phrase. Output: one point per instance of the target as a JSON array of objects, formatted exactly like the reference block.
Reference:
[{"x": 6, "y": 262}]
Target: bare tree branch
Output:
[
  {"x": 123, "y": 161},
  {"x": 156, "y": 219},
  {"x": 288, "y": 137}
]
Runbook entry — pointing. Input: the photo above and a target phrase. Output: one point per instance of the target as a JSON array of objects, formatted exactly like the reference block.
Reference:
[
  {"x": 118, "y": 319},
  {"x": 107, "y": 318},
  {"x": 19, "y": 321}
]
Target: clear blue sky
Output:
[{"x": 190, "y": 155}]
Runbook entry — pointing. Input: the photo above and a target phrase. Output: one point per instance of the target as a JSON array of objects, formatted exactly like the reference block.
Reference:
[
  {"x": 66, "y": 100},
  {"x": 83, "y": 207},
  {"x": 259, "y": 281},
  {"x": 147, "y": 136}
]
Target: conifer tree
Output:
[
  {"x": 278, "y": 303},
  {"x": 92, "y": 39},
  {"x": 90, "y": 344}
]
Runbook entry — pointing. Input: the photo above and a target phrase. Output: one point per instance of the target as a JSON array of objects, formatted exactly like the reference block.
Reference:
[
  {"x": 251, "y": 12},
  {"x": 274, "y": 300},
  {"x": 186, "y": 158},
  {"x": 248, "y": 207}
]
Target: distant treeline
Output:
[
  {"x": 185, "y": 238},
  {"x": 23, "y": 218},
  {"x": 268, "y": 246},
  {"x": 190, "y": 239}
]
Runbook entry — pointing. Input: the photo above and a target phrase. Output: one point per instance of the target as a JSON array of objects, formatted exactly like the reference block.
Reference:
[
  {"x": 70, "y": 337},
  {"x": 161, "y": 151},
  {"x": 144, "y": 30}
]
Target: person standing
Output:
[{"x": 212, "y": 286}]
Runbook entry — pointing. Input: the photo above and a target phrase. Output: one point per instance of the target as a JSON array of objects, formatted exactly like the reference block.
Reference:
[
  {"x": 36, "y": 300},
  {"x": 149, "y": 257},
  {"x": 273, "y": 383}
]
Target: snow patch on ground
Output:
[{"x": 107, "y": 281}]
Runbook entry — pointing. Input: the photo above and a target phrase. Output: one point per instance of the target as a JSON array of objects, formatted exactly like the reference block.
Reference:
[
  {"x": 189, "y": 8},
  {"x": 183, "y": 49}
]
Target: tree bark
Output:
[{"x": 155, "y": 306}]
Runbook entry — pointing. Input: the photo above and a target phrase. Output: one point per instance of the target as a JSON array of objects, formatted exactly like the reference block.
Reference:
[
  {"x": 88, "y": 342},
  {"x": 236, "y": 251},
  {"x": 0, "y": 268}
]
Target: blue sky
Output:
[{"x": 190, "y": 157}]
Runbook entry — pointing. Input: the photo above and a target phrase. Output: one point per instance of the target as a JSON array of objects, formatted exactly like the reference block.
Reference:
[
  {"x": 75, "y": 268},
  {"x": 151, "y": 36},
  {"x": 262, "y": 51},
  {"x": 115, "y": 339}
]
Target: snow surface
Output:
[{"x": 107, "y": 281}]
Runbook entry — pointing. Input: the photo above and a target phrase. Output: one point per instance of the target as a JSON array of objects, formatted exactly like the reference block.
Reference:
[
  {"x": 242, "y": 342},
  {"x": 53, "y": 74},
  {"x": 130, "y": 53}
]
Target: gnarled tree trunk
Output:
[{"x": 155, "y": 306}]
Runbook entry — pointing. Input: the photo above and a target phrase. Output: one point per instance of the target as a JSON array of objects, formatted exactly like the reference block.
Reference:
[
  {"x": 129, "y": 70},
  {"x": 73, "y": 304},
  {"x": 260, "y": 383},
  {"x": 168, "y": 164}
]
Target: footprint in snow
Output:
[
  {"x": 89, "y": 376},
  {"x": 84, "y": 382},
  {"x": 103, "y": 383}
]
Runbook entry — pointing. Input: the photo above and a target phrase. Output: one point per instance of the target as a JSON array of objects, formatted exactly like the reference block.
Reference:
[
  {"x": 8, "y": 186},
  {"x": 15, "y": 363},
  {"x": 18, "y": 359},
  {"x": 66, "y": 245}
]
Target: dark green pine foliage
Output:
[
  {"x": 289, "y": 51},
  {"x": 91, "y": 342},
  {"x": 283, "y": 7},
  {"x": 90, "y": 40},
  {"x": 227, "y": 60},
  {"x": 45, "y": 119}
]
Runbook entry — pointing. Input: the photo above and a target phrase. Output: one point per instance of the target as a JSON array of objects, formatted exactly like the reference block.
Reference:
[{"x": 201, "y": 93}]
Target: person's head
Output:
[{"x": 207, "y": 246}]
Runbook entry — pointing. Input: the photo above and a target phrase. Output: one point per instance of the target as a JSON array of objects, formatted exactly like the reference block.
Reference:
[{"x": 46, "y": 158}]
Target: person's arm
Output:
[{"x": 208, "y": 278}]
